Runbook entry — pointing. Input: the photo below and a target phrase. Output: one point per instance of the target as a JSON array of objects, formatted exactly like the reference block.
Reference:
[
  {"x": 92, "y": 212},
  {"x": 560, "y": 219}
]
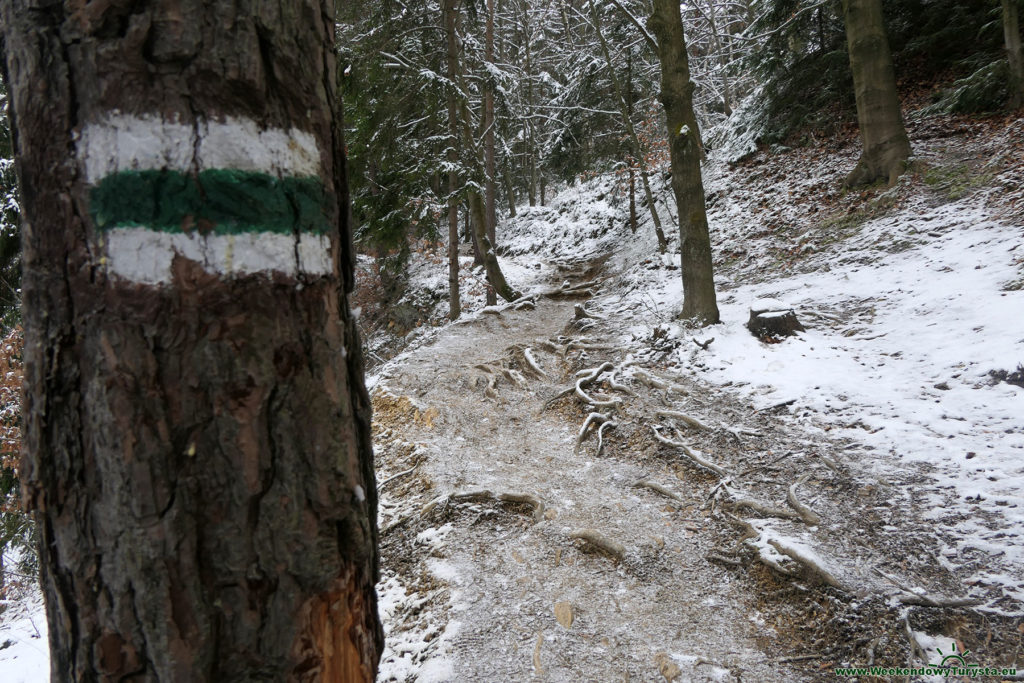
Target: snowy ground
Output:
[{"x": 24, "y": 653}]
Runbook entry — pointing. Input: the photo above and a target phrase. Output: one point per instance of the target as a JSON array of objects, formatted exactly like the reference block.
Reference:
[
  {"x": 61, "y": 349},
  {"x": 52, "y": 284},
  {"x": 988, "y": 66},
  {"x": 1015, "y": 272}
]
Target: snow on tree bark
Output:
[{"x": 196, "y": 425}]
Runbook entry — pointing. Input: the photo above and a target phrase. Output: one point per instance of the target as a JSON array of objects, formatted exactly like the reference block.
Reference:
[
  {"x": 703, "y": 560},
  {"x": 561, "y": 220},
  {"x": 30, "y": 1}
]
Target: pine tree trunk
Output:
[
  {"x": 454, "y": 301},
  {"x": 197, "y": 431},
  {"x": 1011, "y": 34},
  {"x": 885, "y": 141},
  {"x": 491, "y": 210},
  {"x": 699, "y": 302}
]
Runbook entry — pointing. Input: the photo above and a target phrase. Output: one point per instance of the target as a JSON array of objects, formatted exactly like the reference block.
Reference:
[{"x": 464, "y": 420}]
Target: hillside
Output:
[{"x": 895, "y": 417}]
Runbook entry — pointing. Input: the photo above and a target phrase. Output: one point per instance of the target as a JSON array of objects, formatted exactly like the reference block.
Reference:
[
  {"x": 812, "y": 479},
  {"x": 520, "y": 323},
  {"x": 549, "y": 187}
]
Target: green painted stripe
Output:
[{"x": 221, "y": 201}]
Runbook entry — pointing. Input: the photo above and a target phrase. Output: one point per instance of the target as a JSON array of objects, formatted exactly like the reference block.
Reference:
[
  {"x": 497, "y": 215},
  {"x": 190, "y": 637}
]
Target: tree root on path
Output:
[
  {"x": 484, "y": 496},
  {"x": 691, "y": 454},
  {"x": 810, "y": 517},
  {"x": 585, "y": 378},
  {"x": 658, "y": 488},
  {"x": 810, "y": 563},
  {"x": 598, "y": 421},
  {"x": 922, "y": 599},
  {"x": 599, "y": 543},
  {"x": 689, "y": 422},
  {"x": 532, "y": 363},
  {"x": 655, "y": 382}
]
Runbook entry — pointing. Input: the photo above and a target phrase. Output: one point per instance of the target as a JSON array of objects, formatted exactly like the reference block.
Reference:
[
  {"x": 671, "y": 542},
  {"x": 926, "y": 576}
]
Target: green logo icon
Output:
[{"x": 954, "y": 658}]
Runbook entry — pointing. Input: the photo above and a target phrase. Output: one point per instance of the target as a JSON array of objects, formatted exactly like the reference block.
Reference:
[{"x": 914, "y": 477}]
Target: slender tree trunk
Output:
[
  {"x": 476, "y": 204},
  {"x": 885, "y": 141},
  {"x": 1011, "y": 34},
  {"x": 197, "y": 431},
  {"x": 722, "y": 63},
  {"x": 632, "y": 199},
  {"x": 699, "y": 302},
  {"x": 451, "y": 42},
  {"x": 631, "y": 131},
  {"x": 510, "y": 192},
  {"x": 491, "y": 210}
]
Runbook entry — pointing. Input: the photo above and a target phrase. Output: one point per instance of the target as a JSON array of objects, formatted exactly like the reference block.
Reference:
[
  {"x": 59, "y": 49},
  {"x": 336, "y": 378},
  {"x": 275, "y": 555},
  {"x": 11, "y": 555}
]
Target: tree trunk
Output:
[
  {"x": 1011, "y": 34},
  {"x": 722, "y": 62},
  {"x": 197, "y": 432},
  {"x": 699, "y": 303},
  {"x": 885, "y": 141},
  {"x": 631, "y": 131},
  {"x": 477, "y": 205},
  {"x": 632, "y": 198},
  {"x": 510, "y": 191},
  {"x": 454, "y": 301},
  {"x": 491, "y": 210}
]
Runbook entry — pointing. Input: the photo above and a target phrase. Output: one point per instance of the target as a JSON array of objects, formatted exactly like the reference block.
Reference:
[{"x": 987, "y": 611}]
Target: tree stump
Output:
[{"x": 771, "y": 325}]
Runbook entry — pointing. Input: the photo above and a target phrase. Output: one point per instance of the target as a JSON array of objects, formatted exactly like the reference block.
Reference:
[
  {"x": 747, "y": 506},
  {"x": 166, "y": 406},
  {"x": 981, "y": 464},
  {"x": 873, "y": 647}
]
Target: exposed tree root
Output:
[
  {"x": 590, "y": 424},
  {"x": 532, "y": 362},
  {"x": 691, "y": 454},
  {"x": 614, "y": 385},
  {"x": 394, "y": 477},
  {"x": 659, "y": 489},
  {"x": 600, "y": 434},
  {"x": 761, "y": 509},
  {"x": 749, "y": 533},
  {"x": 689, "y": 422},
  {"x": 722, "y": 559},
  {"x": 581, "y": 312},
  {"x": 921, "y": 599},
  {"x": 655, "y": 382},
  {"x": 807, "y": 514},
  {"x": 599, "y": 543},
  {"x": 483, "y": 496},
  {"x": 810, "y": 563}
]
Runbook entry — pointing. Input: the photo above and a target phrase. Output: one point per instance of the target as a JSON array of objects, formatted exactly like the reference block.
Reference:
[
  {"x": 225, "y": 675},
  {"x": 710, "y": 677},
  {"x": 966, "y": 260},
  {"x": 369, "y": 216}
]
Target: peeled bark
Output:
[
  {"x": 885, "y": 141},
  {"x": 1011, "y": 35},
  {"x": 699, "y": 301},
  {"x": 197, "y": 431}
]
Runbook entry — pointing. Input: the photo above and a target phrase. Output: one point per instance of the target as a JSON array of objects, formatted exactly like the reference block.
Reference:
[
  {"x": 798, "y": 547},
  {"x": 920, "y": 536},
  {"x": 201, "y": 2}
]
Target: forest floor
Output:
[
  {"x": 749, "y": 510},
  {"x": 708, "y": 506}
]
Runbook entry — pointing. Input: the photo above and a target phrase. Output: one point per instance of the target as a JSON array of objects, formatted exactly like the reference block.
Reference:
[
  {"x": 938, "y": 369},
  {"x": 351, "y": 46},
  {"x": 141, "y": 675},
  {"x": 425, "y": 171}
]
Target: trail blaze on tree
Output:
[
  {"x": 699, "y": 301},
  {"x": 196, "y": 424}
]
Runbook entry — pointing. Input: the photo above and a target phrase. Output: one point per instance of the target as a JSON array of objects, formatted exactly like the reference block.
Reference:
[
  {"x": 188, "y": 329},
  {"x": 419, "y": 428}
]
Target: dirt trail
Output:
[{"x": 482, "y": 582}]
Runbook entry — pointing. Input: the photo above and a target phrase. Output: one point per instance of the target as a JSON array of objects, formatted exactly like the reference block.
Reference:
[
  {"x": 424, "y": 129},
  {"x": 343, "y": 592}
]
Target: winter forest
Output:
[{"x": 511, "y": 340}]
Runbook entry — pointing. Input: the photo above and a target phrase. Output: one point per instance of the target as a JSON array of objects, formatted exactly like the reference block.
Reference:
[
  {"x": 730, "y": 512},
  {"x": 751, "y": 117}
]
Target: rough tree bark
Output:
[
  {"x": 699, "y": 302},
  {"x": 489, "y": 189},
  {"x": 1011, "y": 35},
  {"x": 885, "y": 141},
  {"x": 197, "y": 430},
  {"x": 454, "y": 302}
]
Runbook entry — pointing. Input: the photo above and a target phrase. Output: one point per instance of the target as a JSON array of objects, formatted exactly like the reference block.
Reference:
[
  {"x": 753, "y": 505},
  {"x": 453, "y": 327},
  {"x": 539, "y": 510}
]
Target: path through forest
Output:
[{"x": 512, "y": 552}]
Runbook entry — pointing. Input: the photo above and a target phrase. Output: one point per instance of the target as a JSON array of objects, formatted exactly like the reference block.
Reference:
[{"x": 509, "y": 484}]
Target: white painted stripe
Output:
[
  {"x": 122, "y": 142},
  {"x": 145, "y": 256}
]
